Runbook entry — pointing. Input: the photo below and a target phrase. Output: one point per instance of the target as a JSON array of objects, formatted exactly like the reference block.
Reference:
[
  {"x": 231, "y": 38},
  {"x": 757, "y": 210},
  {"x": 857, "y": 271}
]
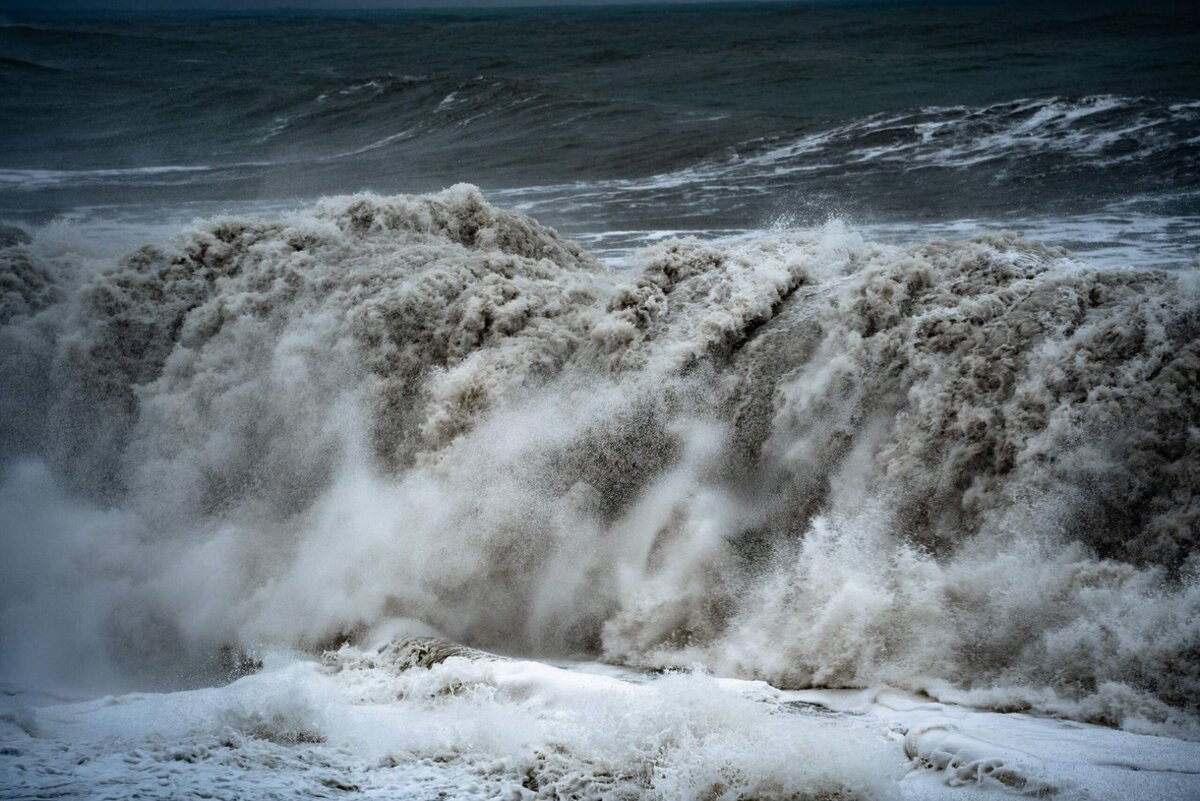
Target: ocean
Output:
[{"x": 726, "y": 401}]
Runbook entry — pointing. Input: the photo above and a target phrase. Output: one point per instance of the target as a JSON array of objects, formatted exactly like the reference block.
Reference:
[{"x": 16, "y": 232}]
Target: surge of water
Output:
[{"x": 963, "y": 468}]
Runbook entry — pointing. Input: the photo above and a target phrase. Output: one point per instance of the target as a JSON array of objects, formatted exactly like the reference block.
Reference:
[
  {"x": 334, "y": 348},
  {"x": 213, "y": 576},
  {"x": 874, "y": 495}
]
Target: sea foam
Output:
[{"x": 961, "y": 468}]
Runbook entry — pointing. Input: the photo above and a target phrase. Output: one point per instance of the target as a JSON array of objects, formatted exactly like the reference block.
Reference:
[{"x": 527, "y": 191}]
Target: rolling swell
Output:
[
  {"x": 1041, "y": 156},
  {"x": 966, "y": 468},
  {"x": 589, "y": 161}
]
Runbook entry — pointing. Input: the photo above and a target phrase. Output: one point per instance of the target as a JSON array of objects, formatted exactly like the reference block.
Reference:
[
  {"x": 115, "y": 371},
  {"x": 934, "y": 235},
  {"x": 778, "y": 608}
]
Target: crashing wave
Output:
[{"x": 965, "y": 468}]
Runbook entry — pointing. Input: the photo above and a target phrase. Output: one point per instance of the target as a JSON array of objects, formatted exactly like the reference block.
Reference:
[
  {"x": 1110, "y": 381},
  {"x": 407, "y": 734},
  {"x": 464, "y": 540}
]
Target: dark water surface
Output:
[{"x": 602, "y": 120}]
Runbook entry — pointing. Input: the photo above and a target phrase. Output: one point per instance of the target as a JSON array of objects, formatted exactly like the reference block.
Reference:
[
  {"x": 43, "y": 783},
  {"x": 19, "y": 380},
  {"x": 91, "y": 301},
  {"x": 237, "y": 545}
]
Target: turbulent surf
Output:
[
  {"x": 962, "y": 468},
  {"x": 802, "y": 401}
]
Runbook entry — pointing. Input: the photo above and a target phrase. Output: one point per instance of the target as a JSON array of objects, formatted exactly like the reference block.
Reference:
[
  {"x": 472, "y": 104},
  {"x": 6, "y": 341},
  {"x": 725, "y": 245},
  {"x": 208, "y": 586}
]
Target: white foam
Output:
[
  {"x": 481, "y": 728},
  {"x": 801, "y": 456}
]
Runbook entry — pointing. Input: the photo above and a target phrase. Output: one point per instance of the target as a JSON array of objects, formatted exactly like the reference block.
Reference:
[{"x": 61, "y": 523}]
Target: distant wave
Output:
[
  {"x": 1091, "y": 132},
  {"x": 1085, "y": 133},
  {"x": 1101, "y": 130},
  {"x": 1027, "y": 158},
  {"x": 965, "y": 468},
  {"x": 436, "y": 108},
  {"x": 29, "y": 180}
]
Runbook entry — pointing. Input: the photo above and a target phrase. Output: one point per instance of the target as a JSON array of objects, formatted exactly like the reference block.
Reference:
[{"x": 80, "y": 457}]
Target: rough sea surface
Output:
[{"x": 840, "y": 440}]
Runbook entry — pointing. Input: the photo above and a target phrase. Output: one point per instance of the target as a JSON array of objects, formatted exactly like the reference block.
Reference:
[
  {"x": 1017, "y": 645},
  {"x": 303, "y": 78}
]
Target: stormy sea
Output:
[{"x": 703, "y": 402}]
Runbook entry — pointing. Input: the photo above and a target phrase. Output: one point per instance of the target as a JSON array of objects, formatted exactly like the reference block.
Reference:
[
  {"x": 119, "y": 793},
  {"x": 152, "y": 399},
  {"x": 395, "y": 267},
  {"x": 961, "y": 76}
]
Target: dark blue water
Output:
[{"x": 701, "y": 118}]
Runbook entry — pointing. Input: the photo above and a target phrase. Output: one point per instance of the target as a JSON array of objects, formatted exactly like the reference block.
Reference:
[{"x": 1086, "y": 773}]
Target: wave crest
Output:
[{"x": 961, "y": 467}]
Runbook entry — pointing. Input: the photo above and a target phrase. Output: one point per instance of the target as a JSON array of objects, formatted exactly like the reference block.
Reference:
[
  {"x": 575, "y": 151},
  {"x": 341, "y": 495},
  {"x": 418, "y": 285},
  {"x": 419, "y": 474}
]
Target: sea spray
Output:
[{"x": 965, "y": 468}]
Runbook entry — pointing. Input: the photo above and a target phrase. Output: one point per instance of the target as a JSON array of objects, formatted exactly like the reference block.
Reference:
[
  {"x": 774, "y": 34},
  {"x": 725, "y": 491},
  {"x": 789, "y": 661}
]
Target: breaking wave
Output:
[
  {"x": 964, "y": 468},
  {"x": 1097, "y": 131}
]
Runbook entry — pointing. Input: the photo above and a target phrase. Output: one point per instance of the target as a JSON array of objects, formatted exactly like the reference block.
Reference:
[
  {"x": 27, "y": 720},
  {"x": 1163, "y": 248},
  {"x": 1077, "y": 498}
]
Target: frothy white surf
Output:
[
  {"x": 423, "y": 718},
  {"x": 369, "y": 724},
  {"x": 963, "y": 468}
]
